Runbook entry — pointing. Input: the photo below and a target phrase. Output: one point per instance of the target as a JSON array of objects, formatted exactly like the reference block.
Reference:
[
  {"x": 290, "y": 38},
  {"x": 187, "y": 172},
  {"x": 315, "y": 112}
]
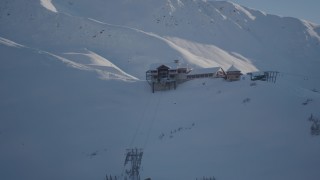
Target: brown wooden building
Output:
[{"x": 233, "y": 74}]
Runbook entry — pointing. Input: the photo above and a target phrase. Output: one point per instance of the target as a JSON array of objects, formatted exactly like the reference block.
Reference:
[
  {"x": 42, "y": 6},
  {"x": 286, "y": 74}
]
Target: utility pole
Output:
[{"x": 134, "y": 157}]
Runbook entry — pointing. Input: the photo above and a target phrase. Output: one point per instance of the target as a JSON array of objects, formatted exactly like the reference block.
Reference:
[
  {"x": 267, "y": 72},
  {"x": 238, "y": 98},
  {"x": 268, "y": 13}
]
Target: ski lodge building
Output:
[{"x": 166, "y": 76}]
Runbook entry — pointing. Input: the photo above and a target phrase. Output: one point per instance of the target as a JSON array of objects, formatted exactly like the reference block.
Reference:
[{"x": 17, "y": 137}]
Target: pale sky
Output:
[{"x": 302, "y": 9}]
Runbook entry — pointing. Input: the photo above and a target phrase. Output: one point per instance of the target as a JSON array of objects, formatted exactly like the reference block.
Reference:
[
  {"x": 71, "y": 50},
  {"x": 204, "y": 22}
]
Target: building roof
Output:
[
  {"x": 232, "y": 69},
  {"x": 205, "y": 70},
  {"x": 169, "y": 65}
]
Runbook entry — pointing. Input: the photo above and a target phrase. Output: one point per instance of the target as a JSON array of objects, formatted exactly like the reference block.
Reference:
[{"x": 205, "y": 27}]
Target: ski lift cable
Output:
[
  {"x": 149, "y": 106},
  {"x": 138, "y": 128},
  {"x": 142, "y": 118},
  {"x": 152, "y": 121}
]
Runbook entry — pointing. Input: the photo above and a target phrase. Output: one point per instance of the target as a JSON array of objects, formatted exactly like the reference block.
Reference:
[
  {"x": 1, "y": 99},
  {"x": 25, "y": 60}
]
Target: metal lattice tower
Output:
[{"x": 134, "y": 157}]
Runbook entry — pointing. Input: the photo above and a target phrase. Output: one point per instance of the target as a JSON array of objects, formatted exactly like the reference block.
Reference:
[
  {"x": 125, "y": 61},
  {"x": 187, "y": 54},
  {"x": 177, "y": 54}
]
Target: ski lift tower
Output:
[{"x": 134, "y": 157}]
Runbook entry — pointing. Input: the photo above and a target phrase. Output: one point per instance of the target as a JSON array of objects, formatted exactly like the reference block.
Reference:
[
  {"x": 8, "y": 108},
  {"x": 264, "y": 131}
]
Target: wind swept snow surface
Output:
[
  {"x": 98, "y": 62},
  {"x": 48, "y": 5},
  {"x": 9, "y": 43},
  {"x": 73, "y": 96}
]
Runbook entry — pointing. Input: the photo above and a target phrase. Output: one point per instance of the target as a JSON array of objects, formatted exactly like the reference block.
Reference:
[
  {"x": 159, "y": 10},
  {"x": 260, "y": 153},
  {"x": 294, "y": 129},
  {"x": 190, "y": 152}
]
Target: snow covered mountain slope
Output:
[
  {"x": 64, "y": 34},
  {"x": 263, "y": 38},
  {"x": 72, "y": 95},
  {"x": 236, "y": 33}
]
